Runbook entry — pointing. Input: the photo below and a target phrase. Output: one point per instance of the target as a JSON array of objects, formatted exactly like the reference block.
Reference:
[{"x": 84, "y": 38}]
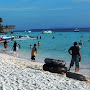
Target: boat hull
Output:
[{"x": 2, "y": 41}]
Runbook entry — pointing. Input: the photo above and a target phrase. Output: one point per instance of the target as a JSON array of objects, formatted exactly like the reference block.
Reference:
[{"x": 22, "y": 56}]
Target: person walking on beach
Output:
[
  {"x": 5, "y": 45},
  {"x": 34, "y": 53},
  {"x": 76, "y": 56}
]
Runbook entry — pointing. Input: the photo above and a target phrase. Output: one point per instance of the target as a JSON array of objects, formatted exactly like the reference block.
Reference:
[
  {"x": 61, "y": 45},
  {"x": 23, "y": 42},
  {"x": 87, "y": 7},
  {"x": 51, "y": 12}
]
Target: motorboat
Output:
[
  {"x": 23, "y": 37},
  {"x": 2, "y": 40},
  {"x": 47, "y": 32},
  {"x": 5, "y": 37},
  {"x": 32, "y": 37},
  {"x": 29, "y": 31},
  {"x": 76, "y": 30}
]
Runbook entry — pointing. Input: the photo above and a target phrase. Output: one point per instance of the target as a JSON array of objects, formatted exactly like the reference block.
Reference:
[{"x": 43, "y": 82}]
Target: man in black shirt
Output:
[{"x": 76, "y": 56}]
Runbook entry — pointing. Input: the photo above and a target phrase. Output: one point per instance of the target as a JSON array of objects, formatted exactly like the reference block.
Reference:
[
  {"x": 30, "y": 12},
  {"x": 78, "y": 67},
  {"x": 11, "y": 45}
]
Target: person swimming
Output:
[
  {"x": 31, "y": 46},
  {"x": 39, "y": 43}
]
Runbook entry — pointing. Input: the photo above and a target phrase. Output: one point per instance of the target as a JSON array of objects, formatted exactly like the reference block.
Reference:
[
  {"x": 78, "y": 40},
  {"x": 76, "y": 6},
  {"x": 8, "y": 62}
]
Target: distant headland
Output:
[{"x": 57, "y": 30}]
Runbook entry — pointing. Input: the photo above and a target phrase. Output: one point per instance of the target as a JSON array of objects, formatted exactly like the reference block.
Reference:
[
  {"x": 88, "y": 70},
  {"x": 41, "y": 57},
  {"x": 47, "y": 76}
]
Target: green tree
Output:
[{"x": 1, "y": 20}]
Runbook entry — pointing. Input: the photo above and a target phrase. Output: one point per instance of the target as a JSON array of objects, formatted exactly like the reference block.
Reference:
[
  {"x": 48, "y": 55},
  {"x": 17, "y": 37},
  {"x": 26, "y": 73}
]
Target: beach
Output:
[{"x": 20, "y": 74}]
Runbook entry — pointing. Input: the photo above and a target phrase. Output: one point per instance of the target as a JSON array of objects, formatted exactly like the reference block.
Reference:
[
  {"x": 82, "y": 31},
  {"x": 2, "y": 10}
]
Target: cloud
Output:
[
  {"x": 55, "y": 9},
  {"x": 15, "y": 9},
  {"x": 81, "y": 0},
  {"x": 26, "y": 0},
  {"x": 33, "y": 8}
]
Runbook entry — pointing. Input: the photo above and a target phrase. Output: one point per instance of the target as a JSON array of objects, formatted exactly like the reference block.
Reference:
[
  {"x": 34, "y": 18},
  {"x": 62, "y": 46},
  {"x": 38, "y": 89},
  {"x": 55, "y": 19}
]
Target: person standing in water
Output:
[
  {"x": 40, "y": 37},
  {"x": 31, "y": 46},
  {"x": 5, "y": 46},
  {"x": 39, "y": 43},
  {"x": 76, "y": 56},
  {"x": 15, "y": 47},
  {"x": 34, "y": 53}
]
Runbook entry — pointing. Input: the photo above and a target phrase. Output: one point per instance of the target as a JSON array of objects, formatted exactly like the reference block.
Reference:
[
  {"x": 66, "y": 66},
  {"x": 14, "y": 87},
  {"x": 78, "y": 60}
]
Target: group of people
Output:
[
  {"x": 15, "y": 46},
  {"x": 37, "y": 37},
  {"x": 74, "y": 51},
  {"x": 39, "y": 43}
]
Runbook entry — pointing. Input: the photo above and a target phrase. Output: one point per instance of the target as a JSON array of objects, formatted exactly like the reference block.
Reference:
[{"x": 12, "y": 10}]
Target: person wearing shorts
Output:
[
  {"x": 32, "y": 53},
  {"x": 76, "y": 56}
]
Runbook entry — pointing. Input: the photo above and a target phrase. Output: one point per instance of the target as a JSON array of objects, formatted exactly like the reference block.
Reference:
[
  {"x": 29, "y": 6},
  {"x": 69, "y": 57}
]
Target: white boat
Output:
[
  {"x": 33, "y": 37},
  {"x": 23, "y": 37},
  {"x": 29, "y": 31},
  {"x": 47, "y": 32},
  {"x": 76, "y": 30}
]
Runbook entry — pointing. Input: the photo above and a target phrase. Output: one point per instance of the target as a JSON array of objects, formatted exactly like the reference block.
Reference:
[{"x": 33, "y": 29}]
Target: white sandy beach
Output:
[{"x": 20, "y": 74}]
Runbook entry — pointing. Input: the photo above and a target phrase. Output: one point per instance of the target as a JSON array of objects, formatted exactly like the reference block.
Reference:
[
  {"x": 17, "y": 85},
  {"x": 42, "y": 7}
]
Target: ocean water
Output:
[{"x": 56, "y": 48}]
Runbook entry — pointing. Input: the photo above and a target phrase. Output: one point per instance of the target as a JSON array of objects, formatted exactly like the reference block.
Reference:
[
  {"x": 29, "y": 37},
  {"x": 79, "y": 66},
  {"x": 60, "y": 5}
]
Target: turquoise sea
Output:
[{"x": 56, "y": 48}]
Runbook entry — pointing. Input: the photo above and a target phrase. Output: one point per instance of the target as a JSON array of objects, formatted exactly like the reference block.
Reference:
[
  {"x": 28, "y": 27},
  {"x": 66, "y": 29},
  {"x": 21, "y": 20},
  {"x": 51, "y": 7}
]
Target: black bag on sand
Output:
[
  {"x": 76, "y": 76},
  {"x": 54, "y": 69},
  {"x": 55, "y": 62}
]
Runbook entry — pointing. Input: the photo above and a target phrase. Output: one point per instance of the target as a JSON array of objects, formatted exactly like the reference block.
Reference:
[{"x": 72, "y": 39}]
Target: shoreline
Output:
[
  {"x": 84, "y": 69},
  {"x": 17, "y": 73}
]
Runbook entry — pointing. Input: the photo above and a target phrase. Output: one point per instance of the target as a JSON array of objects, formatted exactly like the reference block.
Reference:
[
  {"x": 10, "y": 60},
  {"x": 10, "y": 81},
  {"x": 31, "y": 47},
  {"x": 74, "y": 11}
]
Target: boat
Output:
[
  {"x": 47, "y": 32},
  {"x": 2, "y": 40},
  {"x": 5, "y": 37},
  {"x": 23, "y": 37},
  {"x": 33, "y": 37},
  {"x": 29, "y": 31},
  {"x": 76, "y": 30}
]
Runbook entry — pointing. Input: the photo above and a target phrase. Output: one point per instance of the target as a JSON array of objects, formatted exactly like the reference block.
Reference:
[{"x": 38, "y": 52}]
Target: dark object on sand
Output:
[
  {"x": 54, "y": 69},
  {"x": 76, "y": 76},
  {"x": 55, "y": 62}
]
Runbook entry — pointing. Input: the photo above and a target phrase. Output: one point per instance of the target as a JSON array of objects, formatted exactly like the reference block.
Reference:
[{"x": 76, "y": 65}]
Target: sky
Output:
[{"x": 45, "y": 14}]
